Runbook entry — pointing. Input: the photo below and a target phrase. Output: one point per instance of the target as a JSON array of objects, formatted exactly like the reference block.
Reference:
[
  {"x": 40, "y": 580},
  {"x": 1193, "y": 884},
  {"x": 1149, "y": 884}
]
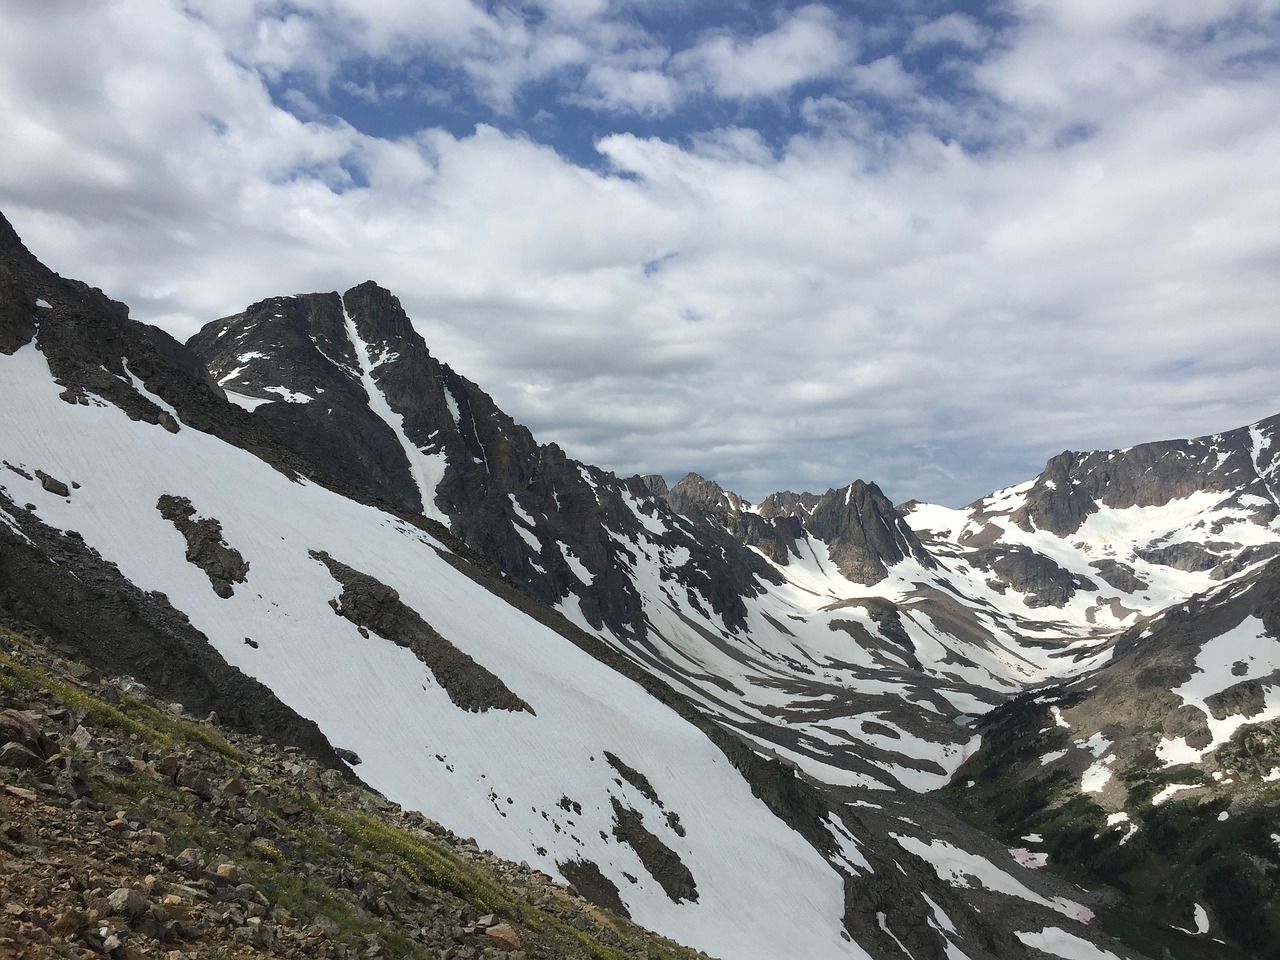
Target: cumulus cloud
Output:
[
  {"x": 1091, "y": 264},
  {"x": 805, "y": 46}
]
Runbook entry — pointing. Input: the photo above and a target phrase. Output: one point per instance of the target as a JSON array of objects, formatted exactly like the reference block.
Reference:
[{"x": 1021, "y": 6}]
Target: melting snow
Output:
[
  {"x": 956, "y": 866},
  {"x": 240, "y": 400},
  {"x": 1097, "y": 744},
  {"x": 1097, "y": 775},
  {"x": 1059, "y": 943},
  {"x": 849, "y": 854},
  {"x": 1171, "y": 790},
  {"x": 1031, "y": 859},
  {"x": 289, "y": 396},
  {"x": 1246, "y": 644},
  {"x": 452, "y": 404},
  {"x": 1202, "y": 923}
]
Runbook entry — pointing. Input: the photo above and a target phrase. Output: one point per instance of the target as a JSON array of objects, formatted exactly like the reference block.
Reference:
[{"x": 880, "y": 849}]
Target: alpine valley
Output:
[{"x": 818, "y": 726}]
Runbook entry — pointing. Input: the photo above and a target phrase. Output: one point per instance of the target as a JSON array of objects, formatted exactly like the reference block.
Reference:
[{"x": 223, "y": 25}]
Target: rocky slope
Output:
[{"x": 130, "y": 829}]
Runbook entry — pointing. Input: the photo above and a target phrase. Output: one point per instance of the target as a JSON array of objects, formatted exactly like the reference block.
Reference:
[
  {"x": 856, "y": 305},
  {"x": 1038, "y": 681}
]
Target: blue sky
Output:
[{"x": 784, "y": 245}]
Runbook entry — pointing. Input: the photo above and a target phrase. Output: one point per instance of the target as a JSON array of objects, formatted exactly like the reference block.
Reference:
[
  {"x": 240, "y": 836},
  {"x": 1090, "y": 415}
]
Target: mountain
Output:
[{"x": 304, "y": 521}]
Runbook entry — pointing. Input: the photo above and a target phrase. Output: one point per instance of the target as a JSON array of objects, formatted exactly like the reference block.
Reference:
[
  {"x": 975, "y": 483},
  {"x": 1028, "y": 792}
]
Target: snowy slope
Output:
[{"x": 500, "y": 775}]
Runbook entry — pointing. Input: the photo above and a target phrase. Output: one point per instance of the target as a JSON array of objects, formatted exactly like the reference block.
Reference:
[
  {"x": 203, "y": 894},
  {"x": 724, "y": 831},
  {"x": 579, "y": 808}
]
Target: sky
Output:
[{"x": 784, "y": 245}]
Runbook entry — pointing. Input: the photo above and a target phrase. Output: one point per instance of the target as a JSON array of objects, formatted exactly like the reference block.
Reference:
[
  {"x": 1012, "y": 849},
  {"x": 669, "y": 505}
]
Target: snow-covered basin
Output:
[{"x": 377, "y": 699}]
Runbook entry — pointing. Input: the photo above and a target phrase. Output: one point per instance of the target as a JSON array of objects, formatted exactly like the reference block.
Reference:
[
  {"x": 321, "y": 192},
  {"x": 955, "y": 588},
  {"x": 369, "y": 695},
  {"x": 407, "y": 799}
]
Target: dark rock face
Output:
[
  {"x": 864, "y": 532},
  {"x": 372, "y": 605},
  {"x": 663, "y": 863},
  {"x": 589, "y": 882},
  {"x": 206, "y": 548},
  {"x": 1181, "y": 556},
  {"x": 1255, "y": 553},
  {"x": 297, "y": 347},
  {"x": 499, "y": 488},
  {"x": 99, "y": 355},
  {"x": 707, "y": 502},
  {"x": 1043, "y": 581},
  {"x": 635, "y": 778},
  {"x": 1055, "y": 503},
  {"x": 1238, "y": 463},
  {"x": 1247, "y": 698},
  {"x": 1119, "y": 575}
]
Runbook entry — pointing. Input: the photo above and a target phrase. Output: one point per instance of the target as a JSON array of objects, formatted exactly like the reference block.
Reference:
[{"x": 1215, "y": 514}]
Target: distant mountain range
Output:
[{"x": 725, "y": 720}]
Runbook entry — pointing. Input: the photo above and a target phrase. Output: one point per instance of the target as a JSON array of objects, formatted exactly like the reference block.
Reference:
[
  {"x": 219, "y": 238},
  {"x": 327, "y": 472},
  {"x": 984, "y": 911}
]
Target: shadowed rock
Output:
[{"x": 372, "y": 605}]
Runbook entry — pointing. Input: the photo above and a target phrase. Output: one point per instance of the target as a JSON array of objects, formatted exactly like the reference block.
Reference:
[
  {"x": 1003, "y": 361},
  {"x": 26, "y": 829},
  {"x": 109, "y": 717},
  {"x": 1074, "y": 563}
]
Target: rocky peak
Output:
[
  {"x": 694, "y": 489},
  {"x": 291, "y": 362},
  {"x": 379, "y": 317},
  {"x": 1073, "y": 485},
  {"x": 860, "y": 525},
  {"x": 652, "y": 484},
  {"x": 1056, "y": 501}
]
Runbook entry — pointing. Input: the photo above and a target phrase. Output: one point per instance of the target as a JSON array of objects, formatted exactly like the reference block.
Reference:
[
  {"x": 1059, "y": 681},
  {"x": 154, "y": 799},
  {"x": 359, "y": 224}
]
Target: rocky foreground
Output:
[{"x": 129, "y": 829}]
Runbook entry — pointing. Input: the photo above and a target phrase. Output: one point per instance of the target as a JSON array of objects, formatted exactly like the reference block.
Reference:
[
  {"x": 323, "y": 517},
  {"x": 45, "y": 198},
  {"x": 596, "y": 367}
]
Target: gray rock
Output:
[
  {"x": 53, "y": 484},
  {"x": 127, "y": 902}
]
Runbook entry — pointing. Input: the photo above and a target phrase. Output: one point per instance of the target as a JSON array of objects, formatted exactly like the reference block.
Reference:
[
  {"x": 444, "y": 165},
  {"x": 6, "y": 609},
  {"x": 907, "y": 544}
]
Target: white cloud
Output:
[
  {"x": 885, "y": 77},
  {"x": 862, "y": 300},
  {"x": 957, "y": 28},
  {"x": 644, "y": 91},
  {"x": 804, "y": 47}
]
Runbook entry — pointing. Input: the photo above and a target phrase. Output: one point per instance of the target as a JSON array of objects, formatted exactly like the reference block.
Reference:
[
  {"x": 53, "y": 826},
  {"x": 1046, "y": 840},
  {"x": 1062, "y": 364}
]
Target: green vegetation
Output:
[{"x": 1184, "y": 851}]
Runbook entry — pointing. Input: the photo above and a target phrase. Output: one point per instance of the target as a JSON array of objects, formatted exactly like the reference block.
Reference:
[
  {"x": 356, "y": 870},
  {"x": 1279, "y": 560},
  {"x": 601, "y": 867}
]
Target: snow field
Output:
[{"x": 373, "y": 697}]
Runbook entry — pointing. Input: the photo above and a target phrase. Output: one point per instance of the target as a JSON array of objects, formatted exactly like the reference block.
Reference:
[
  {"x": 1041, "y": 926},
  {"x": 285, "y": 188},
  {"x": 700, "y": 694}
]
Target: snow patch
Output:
[
  {"x": 1202, "y": 923},
  {"x": 1097, "y": 775},
  {"x": 1171, "y": 790},
  {"x": 1247, "y": 645},
  {"x": 289, "y": 396},
  {"x": 248, "y": 403},
  {"x": 1031, "y": 859},
  {"x": 848, "y": 854},
  {"x": 1060, "y": 943},
  {"x": 956, "y": 867}
]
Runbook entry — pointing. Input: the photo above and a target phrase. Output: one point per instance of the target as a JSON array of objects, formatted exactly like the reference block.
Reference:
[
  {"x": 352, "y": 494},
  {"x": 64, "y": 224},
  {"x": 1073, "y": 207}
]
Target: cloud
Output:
[
  {"x": 1092, "y": 264},
  {"x": 805, "y": 46},
  {"x": 886, "y": 78},
  {"x": 953, "y": 28}
]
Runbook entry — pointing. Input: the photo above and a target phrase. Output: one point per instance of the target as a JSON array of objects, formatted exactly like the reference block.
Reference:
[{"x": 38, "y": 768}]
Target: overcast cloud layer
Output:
[{"x": 926, "y": 244}]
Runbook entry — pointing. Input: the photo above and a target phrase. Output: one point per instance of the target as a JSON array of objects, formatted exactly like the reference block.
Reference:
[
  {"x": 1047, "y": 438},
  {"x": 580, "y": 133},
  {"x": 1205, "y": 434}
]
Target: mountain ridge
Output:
[{"x": 835, "y": 650}]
